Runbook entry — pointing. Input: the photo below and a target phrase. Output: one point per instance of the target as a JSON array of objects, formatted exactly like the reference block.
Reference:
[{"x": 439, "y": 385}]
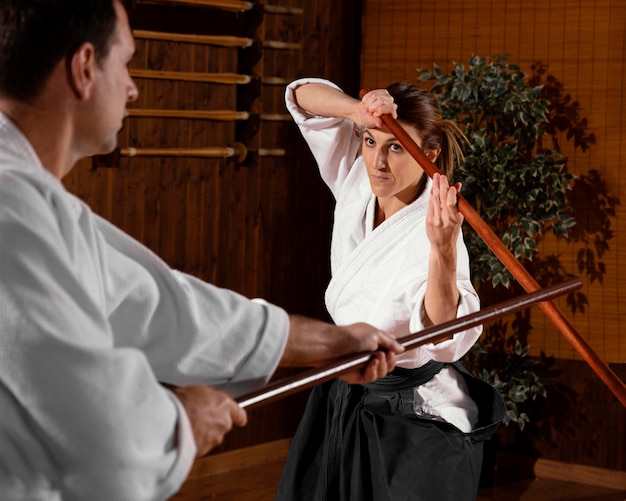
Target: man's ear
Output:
[{"x": 82, "y": 70}]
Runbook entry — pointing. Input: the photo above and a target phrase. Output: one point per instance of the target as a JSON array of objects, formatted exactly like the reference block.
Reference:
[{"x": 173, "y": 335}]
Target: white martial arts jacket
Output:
[
  {"x": 379, "y": 274},
  {"x": 90, "y": 321}
]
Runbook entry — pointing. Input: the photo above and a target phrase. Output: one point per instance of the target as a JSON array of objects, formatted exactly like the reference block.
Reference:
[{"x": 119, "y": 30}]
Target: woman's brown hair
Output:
[{"x": 419, "y": 108}]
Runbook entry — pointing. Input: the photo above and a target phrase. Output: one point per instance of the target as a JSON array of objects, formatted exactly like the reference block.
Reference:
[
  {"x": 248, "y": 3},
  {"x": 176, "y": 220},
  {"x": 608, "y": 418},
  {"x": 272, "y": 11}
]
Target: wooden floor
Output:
[{"x": 253, "y": 474}]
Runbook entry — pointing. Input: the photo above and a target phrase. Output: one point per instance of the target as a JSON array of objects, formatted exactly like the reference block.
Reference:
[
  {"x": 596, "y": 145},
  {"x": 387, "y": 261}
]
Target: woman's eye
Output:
[
  {"x": 395, "y": 147},
  {"x": 369, "y": 141}
]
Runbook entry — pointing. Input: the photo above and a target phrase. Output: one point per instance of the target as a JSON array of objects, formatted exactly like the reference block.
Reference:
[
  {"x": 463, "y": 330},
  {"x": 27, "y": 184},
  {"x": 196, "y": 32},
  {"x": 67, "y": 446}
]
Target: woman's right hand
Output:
[{"x": 373, "y": 105}]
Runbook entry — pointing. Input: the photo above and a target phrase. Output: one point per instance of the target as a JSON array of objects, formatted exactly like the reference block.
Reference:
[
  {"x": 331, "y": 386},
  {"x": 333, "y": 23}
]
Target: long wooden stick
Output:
[
  {"x": 220, "y": 40},
  {"x": 234, "y": 5},
  {"x": 191, "y": 76},
  {"x": 615, "y": 384},
  {"x": 306, "y": 379},
  {"x": 224, "y": 115},
  {"x": 208, "y": 152},
  {"x": 236, "y": 150}
]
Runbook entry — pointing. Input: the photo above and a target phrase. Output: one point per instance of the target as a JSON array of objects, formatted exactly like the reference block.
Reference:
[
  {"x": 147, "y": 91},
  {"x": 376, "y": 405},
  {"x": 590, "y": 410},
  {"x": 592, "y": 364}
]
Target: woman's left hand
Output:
[{"x": 443, "y": 221}]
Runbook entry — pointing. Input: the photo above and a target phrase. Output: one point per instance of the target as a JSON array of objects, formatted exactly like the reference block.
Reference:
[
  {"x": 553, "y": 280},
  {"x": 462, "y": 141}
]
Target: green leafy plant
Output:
[
  {"x": 517, "y": 185},
  {"x": 516, "y": 178}
]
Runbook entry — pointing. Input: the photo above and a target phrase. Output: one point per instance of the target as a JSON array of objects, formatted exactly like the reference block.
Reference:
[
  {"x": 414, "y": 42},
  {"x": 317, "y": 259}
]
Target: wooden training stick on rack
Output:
[
  {"x": 615, "y": 384},
  {"x": 435, "y": 334},
  {"x": 234, "y": 5},
  {"x": 191, "y": 76},
  {"x": 237, "y": 150},
  {"x": 219, "y": 40},
  {"x": 223, "y": 115}
]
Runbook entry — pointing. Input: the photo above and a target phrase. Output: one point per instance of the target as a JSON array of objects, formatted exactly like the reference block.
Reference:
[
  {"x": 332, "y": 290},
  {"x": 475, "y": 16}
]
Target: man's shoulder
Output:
[
  {"x": 27, "y": 201},
  {"x": 18, "y": 188}
]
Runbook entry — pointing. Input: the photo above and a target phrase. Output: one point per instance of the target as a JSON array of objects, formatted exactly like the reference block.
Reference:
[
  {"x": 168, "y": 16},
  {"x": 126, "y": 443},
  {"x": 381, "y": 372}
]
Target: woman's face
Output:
[{"x": 392, "y": 171}]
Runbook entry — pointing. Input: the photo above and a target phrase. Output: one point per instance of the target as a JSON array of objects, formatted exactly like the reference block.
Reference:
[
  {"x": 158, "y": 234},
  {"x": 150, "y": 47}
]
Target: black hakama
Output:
[{"x": 365, "y": 443}]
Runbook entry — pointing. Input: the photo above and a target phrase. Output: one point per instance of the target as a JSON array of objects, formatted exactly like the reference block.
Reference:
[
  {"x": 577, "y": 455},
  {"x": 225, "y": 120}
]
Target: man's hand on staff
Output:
[
  {"x": 212, "y": 414},
  {"x": 314, "y": 343}
]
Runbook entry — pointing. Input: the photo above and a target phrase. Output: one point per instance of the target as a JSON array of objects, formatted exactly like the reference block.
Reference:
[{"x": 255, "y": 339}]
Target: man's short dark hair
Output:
[{"x": 35, "y": 35}]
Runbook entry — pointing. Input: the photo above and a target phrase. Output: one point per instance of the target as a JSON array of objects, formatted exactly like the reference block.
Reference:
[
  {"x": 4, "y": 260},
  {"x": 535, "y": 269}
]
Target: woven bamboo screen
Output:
[{"x": 583, "y": 45}]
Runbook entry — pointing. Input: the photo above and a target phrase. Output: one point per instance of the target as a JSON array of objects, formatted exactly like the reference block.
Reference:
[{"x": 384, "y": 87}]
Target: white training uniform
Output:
[{"x": 379, "y": 275}]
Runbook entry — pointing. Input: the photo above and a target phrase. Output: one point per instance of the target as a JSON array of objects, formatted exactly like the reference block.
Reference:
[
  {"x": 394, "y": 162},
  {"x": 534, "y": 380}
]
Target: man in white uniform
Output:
[{"x": 90, "y": 320}]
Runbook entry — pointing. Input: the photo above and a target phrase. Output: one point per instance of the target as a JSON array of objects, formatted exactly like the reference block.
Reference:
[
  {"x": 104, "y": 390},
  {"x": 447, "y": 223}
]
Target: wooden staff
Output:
[
  {"x": 224, "y": 115},
  {"x": 435, "y": 334},
  {"x": 238, "y": 150},
  {"x": 220, "y": 40},
  {"x": 615, "y": 384},
  {"x": 191, "y": 76},
  {"x": 234, "y": 5},
  {"x": 208, "y": 152}
]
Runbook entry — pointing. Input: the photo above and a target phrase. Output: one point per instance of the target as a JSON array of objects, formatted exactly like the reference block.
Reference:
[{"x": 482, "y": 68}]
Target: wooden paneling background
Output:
[{"x": 583, "y": 43}]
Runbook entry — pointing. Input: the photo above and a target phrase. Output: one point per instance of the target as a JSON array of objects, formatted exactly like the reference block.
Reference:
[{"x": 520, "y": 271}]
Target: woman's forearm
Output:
[
  {"x": 442, "y": 294},
  {"x": 326, "y": 101}
]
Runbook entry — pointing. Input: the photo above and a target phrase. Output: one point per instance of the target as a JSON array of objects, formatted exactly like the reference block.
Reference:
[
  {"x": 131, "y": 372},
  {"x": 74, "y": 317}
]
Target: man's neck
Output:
[{"x": 46, "y": 131}]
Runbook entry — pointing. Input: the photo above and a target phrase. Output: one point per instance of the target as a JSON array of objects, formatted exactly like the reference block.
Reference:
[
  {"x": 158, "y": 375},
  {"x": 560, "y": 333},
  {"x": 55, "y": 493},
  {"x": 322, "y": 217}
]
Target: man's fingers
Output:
[
  {"x": 390, "y": 343},
  {"x": 239, "y": 415},
  {"x": 378, "y": 366}
]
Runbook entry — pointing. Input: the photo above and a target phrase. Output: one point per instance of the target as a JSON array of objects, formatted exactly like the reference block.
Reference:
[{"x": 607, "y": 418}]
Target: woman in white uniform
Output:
[{"x": 398, "y": 261}]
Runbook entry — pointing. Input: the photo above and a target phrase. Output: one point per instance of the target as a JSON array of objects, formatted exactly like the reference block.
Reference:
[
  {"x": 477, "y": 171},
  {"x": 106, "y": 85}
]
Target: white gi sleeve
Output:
[
  {"x": 189, "y": 330},
  {"x": 334, "y": 142}
]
